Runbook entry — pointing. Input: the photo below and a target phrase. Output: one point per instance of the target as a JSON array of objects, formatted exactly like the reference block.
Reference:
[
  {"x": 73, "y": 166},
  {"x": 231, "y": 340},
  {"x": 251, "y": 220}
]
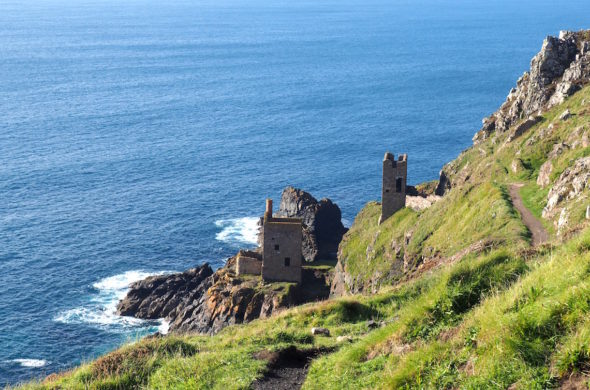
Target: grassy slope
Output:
[{"x": 507, "y": 317}]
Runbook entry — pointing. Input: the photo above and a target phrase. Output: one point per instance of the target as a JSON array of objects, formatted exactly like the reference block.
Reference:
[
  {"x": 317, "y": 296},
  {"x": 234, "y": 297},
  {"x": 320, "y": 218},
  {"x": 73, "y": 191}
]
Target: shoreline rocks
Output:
[{"x": 202, "y": 301}]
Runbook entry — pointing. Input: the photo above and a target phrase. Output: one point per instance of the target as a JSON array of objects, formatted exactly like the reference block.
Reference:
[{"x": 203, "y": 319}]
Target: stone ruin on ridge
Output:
[{"x": 393, "y": 195}]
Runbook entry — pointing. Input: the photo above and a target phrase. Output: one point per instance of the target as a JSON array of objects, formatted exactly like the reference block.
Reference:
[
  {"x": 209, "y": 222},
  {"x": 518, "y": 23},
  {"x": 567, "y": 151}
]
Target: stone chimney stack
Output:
[{"x": 268, "y": 212}]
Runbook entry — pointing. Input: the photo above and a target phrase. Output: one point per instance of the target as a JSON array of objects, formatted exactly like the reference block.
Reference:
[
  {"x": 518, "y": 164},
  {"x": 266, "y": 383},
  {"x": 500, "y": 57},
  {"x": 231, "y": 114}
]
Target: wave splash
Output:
[
  {"x": 31, "y": 363},
  {"x": 101, "y": 309},
  {"x": 238, "y": 230}
]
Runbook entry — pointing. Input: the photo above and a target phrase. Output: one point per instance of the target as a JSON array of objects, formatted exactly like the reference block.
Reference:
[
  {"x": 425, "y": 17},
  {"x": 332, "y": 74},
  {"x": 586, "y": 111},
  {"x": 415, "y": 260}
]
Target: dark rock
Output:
[
  {"x": 200, "y": 301},
  {"x": 320, "y": 331},
  {"x": 322, "y": 222},
  {"x": 158, "y": 296},
  {"x": 444, "y": 183},
  {"x": 371, "y": 324}
]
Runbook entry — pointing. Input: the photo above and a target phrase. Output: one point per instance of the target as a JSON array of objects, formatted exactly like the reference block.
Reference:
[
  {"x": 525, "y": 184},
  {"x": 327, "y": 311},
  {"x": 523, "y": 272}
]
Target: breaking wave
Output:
[
  {"x": 101, "y": 308},
  {"x": 31, "y": 363},
  {"x": 238, "y": 230}
]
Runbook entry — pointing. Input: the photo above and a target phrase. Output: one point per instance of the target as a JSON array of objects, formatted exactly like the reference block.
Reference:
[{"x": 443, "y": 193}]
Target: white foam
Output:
[
  {"x": 164, "y": 326},
  {"x": 238, "y": 230},
  {"x": 33, "y": 363},
  {"x": 122, "y": 281},
  {"x": 101, "y": 308}
]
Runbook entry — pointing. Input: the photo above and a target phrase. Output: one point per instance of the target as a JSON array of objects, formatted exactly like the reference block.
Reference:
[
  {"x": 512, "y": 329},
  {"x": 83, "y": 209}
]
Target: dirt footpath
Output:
[{"x": 538, "y": 232}]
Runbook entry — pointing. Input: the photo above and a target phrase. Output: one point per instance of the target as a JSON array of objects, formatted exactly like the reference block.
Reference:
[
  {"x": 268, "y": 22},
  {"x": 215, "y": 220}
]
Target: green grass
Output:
[{"x": 505, "y": 317}]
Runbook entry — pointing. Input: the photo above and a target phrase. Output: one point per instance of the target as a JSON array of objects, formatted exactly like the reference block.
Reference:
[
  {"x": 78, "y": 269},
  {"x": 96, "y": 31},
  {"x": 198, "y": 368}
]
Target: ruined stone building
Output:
[
  {"x": 281, "y": 256},
  {"x": 393, "y": 195},
  {"x": 281, "y": 249}
]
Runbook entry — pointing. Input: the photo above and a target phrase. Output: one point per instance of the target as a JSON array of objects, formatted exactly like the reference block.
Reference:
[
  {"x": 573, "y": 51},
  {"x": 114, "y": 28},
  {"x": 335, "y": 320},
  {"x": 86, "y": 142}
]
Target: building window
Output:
[
  {"x": 287, "y": 261},
  {"x": 398, "y": 184},
  {"x": 387, "y": 190},
  {"x": 276, "y": 247}
]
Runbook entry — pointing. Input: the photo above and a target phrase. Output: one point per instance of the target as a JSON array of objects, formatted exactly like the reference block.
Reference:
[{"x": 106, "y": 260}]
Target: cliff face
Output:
[
  {"x": 557, "y": 71},
  {"x": 560, "y": 69}
]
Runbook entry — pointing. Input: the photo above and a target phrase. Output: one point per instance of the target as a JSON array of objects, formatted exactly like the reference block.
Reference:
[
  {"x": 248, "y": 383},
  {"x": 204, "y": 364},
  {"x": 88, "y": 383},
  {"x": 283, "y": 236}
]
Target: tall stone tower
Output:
[{"x": 393, "y": 195}]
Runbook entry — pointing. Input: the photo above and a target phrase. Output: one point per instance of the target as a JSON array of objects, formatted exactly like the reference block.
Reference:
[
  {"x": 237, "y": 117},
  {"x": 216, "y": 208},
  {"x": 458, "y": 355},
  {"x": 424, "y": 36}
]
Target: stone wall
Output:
[
  {"x": 393, "y": 195},
  {"x": 248, "y": 265}
]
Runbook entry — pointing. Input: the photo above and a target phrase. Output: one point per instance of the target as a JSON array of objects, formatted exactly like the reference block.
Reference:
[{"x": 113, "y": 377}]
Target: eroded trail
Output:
[
  {"x": 538, "y": 231},
  {"x": 287, "y": 368}
]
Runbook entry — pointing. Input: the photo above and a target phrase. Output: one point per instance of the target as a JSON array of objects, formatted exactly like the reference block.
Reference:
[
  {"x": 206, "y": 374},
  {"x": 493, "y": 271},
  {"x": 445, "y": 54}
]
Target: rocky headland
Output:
[{"x": 205, "y": 301}]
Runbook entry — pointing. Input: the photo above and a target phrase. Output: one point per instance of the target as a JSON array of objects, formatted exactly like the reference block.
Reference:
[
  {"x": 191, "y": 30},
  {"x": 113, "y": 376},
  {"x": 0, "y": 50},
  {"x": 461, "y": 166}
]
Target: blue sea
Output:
[{"x": 141, "y": 137}]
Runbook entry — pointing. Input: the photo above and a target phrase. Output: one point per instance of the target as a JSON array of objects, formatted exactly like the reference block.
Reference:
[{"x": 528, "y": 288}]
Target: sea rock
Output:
[
  {"x": 159, "y": 296},
  {"x": 570, "y": 184},
  {"x": 322, "y": 222},
  {"x": 202, "y": 301},
  {"x": 557, "y": 71}
]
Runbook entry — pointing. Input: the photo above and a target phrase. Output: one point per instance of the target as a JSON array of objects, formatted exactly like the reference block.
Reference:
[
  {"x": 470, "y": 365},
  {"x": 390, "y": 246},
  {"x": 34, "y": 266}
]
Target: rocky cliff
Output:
[{"x": 560, "y": 69}]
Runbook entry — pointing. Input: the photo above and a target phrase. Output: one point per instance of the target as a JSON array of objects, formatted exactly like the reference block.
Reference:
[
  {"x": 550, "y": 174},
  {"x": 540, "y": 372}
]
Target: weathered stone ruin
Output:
[
  {"x": 281, "y": 249},
  {"x": 248, "y": 262},
  {"x": 279, "y": 258},
  {"x": 393, "y": 196}
]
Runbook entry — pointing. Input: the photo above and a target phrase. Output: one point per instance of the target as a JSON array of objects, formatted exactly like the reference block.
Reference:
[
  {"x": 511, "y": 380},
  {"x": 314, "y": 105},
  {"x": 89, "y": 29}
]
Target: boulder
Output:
[
  {"x": 516, "y": 165},
  {"x": 322, "y": 222},
  {"x": 565, "y": 115},
  {"x": 543, "y": 179},
  {"x": 320, "y": 331},
  {"x": 523, "y": 127},
  {"x": 569, "y": 185}
]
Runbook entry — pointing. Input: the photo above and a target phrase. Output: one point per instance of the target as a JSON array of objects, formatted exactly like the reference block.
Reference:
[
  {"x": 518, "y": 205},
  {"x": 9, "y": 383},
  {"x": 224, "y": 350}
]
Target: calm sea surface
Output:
[{"x": 139, "y": 137}]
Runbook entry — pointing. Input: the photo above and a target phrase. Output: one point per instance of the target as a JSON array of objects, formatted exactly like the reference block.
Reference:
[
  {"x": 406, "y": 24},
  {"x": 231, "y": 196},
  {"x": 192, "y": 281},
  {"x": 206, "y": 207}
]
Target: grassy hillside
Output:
[{"x": 504, "y": 316}]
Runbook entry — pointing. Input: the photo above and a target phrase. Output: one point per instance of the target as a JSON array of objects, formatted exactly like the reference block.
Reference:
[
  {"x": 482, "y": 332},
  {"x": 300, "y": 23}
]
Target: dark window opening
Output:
[
  {"x": 387, "y": 190},
  {"x": 398, "y": 184},
  {"x": 287, "y": 261},
  {"x": 276, "y": 247}
]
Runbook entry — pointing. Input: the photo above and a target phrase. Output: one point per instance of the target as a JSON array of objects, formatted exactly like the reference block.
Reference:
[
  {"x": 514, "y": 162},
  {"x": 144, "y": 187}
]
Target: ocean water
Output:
[{"x": 141, "y": 137}]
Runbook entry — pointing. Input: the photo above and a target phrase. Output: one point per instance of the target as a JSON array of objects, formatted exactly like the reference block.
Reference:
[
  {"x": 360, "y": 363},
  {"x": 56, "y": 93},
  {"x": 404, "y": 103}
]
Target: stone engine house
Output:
[
  {"x": 281, "y": 248},
  {"x": 393, "y": 195},
  {"x": 281, "y": 256}
]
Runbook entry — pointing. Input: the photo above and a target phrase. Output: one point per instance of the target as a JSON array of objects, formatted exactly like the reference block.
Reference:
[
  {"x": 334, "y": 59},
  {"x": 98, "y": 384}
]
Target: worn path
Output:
[
  {"x": 538, "y": 232},
  {"x": 287, "y": 369}
]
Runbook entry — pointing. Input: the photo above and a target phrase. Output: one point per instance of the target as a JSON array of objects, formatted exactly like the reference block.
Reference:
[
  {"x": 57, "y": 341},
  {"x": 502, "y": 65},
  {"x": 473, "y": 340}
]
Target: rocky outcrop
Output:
[
  {"x": 568, "y": 186},
  {"x": 557, "y": 71},
  {"x": 544, "y": 177},
  {"x": 202, "y": 301},
  {"x": 160, "y": 296},
  {"x": 322, "y": 222},
  {"x": 419, "y": 203}
]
